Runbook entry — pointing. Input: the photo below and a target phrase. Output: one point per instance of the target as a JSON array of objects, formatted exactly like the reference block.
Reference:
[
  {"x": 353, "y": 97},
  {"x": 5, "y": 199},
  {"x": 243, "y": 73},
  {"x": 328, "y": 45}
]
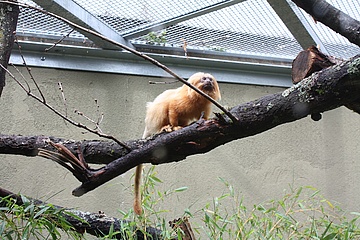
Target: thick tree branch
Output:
[
  {"x": 332, "y": 17},
  {"x": 324, "y": 90},
  {"x": 97, "y": 224},
  {"x": 95, "y": 151}
]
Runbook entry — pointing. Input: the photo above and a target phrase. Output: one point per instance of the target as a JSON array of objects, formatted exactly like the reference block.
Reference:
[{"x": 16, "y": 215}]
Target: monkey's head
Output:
[{"x": 206, "y": 83}]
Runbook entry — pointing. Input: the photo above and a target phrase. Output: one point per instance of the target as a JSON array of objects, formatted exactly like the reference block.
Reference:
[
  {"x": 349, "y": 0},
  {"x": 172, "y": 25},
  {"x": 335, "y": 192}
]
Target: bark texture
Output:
[{"x": 8, "y": 20}]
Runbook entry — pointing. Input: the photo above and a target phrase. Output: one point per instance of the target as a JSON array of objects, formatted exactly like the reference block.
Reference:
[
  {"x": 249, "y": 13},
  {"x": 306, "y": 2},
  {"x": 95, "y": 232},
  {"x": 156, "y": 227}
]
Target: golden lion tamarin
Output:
[{"x": 174, "y": 109}]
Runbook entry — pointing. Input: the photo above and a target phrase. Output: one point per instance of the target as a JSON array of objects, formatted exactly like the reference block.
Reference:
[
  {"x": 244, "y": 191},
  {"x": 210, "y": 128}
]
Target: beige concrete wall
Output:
[{"x": 321, "y": 154}]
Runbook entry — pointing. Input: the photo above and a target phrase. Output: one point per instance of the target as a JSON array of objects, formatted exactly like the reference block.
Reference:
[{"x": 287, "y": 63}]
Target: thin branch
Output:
[
  {"x": 171, "y": 82},
  {"x": 141, "y": 55},
  {"x": 77, "y": 124},
  {"x": 63, "y": 97},
  {"x": 29, "y": 72},
  {"x": 23, "y": 77},
  {"x": 59, "y": 41},
  {"x": 99, "y": 119}
]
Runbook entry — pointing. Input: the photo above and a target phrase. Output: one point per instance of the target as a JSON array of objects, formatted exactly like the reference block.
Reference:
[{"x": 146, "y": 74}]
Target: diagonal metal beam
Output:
[
  {"x": 75, "y": 13},
  {"x": 172, "y": 21},
  {"x": 297, "y": 24}
]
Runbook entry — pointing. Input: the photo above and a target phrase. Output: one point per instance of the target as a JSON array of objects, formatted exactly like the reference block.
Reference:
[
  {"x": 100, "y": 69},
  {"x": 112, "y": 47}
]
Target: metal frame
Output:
[
  {"x": 296, "y": 23},
  {"x": 173, "y": 21},
  {"x": 237, "y": 68},
  {"x": 72, "y": 11},
  {"x": 118, "y": 62},
  {"x": 303, "y": 32}
]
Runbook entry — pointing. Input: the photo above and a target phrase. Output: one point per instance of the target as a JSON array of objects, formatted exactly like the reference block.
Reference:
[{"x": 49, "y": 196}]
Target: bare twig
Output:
[
  {"x": 100, "y": 115},
  {"x": 184, "y": 46},
  {"x": 29, "y": 72},
  {"x": 139, "y": 54},
  {"x": 96, "y": 123},
  {"x": 77, "y": 124},
  {"x": 63, "y": 96},
  {"x": 152, "y": 82},
  {"x": 23, "y": 77},
  {"x": 59, "y": 41}
]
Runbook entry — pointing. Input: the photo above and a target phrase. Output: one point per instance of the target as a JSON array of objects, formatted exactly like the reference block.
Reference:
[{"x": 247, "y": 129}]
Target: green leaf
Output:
[
  {"x": 329, "y": 237},
  {"x": 155, "y": 179},
  {"x": 326, "y": 230},
  {"x": 315, "y": 193},
  {"x": 260, "y": 208},
  {"x": 355, "y": 213},
  {"x": 2, "y": 227},
  {"x": 187, "y": 211},
  {"x": 41, "y": 211},
  {"x": 181, "y": 189},
  {"x": 299, "y": 192},
  {"x": 224, "y": 196},
  {"x": 25, "y": 200}
]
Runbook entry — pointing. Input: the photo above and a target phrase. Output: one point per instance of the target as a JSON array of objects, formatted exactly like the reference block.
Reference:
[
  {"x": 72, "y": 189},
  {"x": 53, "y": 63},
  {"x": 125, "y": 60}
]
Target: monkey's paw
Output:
[{"x": 170, "y": 128}]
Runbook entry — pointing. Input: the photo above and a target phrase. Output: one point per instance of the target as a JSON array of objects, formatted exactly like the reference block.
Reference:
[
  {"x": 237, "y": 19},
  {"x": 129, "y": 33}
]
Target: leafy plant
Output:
[
  {"x": 156, "y": 38},
  {"x": 153, "y": 214},
  {"x": 31, "y": 221},
  {"x": 302, "y": 213}
]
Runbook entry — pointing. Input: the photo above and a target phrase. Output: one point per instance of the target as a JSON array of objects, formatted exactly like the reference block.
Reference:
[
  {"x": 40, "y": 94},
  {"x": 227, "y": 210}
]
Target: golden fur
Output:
[{"x": 174, "y": 109}]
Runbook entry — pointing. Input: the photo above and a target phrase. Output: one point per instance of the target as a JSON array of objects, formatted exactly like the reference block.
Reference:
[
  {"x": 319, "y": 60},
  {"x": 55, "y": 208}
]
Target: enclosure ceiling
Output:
[{"x": 236, "y": 30}]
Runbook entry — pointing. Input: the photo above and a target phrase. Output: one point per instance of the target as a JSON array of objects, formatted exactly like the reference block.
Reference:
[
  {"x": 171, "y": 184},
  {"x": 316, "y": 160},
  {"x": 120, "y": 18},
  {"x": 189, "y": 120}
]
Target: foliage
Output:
[
  {"x": 32, "y": 221},
  {"x": 153, "y": 213},
  {"x": 154, "y": 38},
  {"x": 302, "y": 213}
]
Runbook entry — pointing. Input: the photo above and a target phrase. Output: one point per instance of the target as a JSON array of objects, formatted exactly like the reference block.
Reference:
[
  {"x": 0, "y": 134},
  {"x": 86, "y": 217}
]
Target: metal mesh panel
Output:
[
  {"x": 32, "y": 22},
  {"x": 130, "y": 15},
  {"x": 248, "y": 27}
]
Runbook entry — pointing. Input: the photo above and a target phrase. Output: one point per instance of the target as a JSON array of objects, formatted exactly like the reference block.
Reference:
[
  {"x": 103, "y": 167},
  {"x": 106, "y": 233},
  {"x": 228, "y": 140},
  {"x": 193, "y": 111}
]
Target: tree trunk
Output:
[{"x": 8, "y": 20}]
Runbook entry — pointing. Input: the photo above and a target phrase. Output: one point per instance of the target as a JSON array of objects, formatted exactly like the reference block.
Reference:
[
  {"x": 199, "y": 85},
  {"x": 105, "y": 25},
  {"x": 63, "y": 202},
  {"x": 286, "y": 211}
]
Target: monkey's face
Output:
[{"x": 206, "y": 83}]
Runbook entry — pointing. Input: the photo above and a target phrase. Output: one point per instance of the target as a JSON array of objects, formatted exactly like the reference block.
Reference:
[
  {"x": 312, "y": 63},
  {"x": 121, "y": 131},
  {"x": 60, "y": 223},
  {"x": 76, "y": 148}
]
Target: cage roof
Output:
[{"x": 248, "y": 30}]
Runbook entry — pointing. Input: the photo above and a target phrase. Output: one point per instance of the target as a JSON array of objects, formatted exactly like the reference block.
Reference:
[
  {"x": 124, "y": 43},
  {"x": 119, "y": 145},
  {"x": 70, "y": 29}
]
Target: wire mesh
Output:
[
  {"x": 35, "y": 23},
  {"x": 250, "y": 27},
  {"x": 247, "y": 27},
  {"x": 129, "y": 15}
]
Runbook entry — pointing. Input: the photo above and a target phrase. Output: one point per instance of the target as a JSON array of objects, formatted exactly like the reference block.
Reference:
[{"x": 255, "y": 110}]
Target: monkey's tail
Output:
[{"x": 137, "y": 200}]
